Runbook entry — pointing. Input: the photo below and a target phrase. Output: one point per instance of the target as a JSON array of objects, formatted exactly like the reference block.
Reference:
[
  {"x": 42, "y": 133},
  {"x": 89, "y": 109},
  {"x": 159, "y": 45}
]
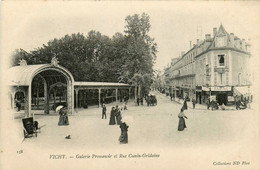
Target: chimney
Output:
[
  {"x": 182, "y": 53},
  {"x": 214, "y": 31},
  {"x": 243, "y": 44},
  {"x": 198, "y": 41},
  {"x": 237, "y": 42},
  {"x": 193, "y": 45},
  {"x": 232, "y": 39},
  {"x": 207, "y": 36},
  {"x": 248, "y": 46}
]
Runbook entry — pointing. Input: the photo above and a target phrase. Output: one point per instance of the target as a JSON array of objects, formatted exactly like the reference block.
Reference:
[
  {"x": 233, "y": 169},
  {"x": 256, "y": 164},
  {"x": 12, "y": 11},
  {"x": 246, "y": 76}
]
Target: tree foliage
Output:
[{"x": 126, "y": 58}]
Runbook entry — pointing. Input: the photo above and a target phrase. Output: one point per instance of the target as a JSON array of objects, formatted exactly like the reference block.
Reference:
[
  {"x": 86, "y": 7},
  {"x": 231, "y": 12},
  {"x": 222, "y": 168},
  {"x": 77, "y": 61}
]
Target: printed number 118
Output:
[{"x": 20, "y": 152}]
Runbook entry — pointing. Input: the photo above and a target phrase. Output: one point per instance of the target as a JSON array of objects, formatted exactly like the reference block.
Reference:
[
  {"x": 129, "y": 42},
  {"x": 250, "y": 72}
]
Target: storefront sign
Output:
[
  {"x": 205, "y": 89},
  {"x": 220, "y": 88}
]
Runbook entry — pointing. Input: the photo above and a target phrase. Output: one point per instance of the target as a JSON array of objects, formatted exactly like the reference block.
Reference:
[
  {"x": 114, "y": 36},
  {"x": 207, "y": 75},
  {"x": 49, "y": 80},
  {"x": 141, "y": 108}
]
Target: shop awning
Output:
[{"x": 243, "y": 90}]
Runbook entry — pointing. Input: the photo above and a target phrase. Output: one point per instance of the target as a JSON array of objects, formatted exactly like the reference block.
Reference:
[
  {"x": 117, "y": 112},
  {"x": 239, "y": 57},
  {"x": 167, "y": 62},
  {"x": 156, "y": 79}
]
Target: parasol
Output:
[{"x": 58, "y": 108}]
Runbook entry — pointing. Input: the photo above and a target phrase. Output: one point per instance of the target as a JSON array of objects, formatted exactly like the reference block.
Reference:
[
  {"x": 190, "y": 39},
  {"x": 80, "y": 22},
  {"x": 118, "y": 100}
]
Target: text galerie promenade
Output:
[{"x": 93, "y": 156}]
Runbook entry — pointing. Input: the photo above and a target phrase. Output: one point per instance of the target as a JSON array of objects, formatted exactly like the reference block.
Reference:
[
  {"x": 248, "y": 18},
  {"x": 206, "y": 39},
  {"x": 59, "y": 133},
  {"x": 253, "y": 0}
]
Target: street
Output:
[{"x": 151, "y": 129}]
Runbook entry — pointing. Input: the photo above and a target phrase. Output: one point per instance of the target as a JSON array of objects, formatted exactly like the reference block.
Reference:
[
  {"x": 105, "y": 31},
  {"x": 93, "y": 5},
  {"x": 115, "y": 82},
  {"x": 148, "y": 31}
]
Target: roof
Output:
[
  {"x": 98, "y": 84},
  {"x": 23, "y": 75}
]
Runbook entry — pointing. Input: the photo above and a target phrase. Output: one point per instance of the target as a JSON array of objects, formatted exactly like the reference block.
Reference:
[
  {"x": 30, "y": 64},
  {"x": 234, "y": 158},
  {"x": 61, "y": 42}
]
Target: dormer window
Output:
[
  {"x": 221, "y": 60},
  {"x": 221, "y": 41}
]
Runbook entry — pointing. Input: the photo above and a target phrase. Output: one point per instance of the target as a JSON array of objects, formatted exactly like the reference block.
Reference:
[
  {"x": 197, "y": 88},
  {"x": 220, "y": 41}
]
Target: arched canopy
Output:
[
  {"x": 23, "y": 75},
  {"x": 50, "y": 74}
]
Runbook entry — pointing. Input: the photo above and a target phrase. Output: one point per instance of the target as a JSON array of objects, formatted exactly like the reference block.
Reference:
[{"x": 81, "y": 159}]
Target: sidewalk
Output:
[
  {"x": 91, "y": 110},
  {"x": 197, "y": 106},
  {"x": 189, "y": 104}
]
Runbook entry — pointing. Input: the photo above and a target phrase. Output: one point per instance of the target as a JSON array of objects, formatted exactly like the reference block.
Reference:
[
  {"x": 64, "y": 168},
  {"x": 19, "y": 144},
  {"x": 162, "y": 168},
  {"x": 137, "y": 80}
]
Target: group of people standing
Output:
[
  {"x": 116, "y": 119},
  {"x": 115, "y": 116}
]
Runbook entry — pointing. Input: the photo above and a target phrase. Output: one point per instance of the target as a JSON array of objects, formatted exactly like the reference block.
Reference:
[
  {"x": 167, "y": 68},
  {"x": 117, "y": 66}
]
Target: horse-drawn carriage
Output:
[{"x": 151, "y": 100}]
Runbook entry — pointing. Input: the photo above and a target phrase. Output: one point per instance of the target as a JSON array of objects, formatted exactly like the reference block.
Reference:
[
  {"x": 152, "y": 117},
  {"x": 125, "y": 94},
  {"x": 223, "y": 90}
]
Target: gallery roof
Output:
[
  {"x": 23, "y": 75},
  {"x": 100, "y": 84}
]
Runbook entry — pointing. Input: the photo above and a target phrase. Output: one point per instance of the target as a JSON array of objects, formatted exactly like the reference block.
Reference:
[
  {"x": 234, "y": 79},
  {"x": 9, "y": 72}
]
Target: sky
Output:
[{"x": 29, "y": 24}]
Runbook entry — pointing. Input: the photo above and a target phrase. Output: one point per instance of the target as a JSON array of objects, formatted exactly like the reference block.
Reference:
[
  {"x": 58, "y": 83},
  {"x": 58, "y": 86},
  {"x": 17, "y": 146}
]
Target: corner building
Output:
[{"x": 217, "y": 67}]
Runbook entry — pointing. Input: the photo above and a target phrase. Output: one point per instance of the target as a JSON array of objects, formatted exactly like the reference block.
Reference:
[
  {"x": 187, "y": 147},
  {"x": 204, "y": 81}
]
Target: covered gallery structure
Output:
[{"x": 46, "y": 86}]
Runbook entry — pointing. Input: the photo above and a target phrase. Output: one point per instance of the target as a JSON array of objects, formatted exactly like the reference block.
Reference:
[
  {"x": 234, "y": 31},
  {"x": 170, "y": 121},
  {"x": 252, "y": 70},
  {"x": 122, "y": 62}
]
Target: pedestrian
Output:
[
  {"x": 63, "y": 120},
  {"x": 212, "y": 104},
  {"x": 185, "y": 106},
  {"x": 104, "y": 110},
  {"x": 182, "y": 124},
  {"x": 118, "y": 115},
  {"x": 18, "y": 104},
  {"x": 137, "y": 101},
  {"x": 237, "y": 104},
  {"x": 223, "y": 107},
  {"x": 148, "y": 100},
  {"x": 208, "y": 103},
  {"x": 142, "y": 101},
  {"x": 125, "y": 106},
  {"x": 112, "y": 120},
  {"x": 123, "y": 139},
  {"x": 193, "y": 102},
  {"x": 125, "y": 98}
]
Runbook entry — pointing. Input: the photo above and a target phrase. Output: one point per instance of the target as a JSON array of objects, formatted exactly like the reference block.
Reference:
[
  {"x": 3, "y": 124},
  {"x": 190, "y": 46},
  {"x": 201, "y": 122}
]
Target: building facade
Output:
[{"x": 216, "y": 67}]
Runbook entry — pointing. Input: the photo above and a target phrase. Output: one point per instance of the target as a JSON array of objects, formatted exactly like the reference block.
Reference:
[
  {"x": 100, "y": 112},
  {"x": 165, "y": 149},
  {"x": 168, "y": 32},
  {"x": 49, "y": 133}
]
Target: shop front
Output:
[
  {"x": 242, "y": 92},
  {"x": 222, "y": 94},
  {"x": 198, "y": 92}
]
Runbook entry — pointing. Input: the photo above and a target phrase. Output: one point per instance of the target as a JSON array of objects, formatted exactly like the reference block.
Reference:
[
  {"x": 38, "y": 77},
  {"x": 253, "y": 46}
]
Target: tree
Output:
[
  {"x": 141, "y": 50},
  {"x": 126, "y": 58}
]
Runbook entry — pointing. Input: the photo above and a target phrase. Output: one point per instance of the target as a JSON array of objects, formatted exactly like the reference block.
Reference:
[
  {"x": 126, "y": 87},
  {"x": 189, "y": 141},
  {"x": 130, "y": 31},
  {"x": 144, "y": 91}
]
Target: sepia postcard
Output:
[{"x": 130, "y": 85}]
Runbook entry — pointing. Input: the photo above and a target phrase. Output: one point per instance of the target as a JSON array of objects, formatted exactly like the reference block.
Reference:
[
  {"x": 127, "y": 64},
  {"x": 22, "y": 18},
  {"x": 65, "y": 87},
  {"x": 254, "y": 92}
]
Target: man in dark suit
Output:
[{"x": 104, "y": 109}]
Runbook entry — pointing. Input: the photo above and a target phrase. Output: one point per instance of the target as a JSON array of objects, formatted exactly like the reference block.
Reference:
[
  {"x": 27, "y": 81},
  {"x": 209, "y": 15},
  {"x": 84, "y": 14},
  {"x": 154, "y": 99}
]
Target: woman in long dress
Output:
[
  {"x": 118, "y": 116},
  {"x": 124, "y": 136},
  {"x": 182, "y": 124},
  {"x": 112, "y": 120},
  {"x": 185, "y": 106},
  {"x": 63, "y": 120}
]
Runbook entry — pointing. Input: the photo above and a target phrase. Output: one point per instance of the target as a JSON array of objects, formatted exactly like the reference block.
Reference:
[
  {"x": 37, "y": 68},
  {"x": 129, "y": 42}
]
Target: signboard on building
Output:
[
  {"x": 221, "y": 70},
  {"x": 219, "y": 88},
  {"x": 205, "y": 89}
]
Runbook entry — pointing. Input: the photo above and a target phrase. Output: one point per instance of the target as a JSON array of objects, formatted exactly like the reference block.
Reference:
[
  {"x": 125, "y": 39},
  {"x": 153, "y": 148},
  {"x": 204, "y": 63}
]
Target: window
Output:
[
  {"x": 221, "y": 60},
  {"x": 207, "y": 70}
]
